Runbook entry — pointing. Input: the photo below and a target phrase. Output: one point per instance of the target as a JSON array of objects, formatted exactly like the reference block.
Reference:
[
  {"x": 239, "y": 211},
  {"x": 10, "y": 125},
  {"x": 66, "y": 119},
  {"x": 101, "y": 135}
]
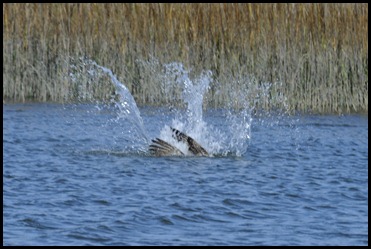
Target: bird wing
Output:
[
  {"x": 193, "y": 146},
  {"x": 161, "y": 148}
]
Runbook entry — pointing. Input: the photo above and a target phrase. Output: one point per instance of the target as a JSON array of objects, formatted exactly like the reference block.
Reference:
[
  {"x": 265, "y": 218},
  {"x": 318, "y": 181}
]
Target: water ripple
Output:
[{"x": 66, "y": 185}]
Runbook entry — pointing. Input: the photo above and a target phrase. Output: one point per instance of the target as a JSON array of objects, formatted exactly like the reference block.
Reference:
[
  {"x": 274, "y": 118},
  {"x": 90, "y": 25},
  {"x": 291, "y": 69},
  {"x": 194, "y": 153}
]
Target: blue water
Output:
[{"x": 71, "y": 177}]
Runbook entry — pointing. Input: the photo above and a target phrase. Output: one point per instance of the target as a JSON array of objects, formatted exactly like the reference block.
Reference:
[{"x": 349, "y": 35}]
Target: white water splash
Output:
[
  {"x": 127, "y": 112},
  {"x": 232, "y": 139},
  {"x": 228, "y": 138},
  {"x": 126, "y": 104}
]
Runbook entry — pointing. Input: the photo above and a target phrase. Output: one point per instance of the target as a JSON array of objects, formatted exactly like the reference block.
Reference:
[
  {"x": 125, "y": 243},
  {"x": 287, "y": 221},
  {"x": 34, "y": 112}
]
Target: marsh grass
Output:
[{"x": 316, "y": 55}]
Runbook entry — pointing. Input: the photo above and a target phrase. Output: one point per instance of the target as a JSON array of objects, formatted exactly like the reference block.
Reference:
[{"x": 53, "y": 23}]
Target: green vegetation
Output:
[{"x": 316, "y": 55}]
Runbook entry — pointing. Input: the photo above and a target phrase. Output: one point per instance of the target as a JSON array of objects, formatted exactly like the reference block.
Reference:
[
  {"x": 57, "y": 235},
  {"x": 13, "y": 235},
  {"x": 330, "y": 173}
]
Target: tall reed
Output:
[{"x": 316, "y": 55}]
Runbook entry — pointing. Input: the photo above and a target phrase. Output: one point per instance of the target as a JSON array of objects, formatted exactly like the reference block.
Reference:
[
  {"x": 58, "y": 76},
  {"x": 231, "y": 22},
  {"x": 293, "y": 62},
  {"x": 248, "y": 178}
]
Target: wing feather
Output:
[
  {"x": 161, "y": 148},
  {"x": 193, "y": 146}
]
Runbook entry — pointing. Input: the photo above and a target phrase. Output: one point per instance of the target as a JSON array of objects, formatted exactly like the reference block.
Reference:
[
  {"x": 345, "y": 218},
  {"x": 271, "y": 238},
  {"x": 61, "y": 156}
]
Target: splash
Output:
[
  {"x": 128, "y": 108},
  {"x": 127, "y": 114},
  {"x": 229, "y": 136}
]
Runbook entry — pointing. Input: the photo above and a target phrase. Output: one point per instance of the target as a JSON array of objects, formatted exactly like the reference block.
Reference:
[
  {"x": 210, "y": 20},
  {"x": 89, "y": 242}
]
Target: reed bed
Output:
[{"x": 315, "y": 55}]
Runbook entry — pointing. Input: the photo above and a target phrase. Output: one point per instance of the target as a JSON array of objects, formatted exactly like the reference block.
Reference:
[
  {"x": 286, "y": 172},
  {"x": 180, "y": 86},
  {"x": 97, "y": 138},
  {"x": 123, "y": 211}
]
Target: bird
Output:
[{"x": 160, "y": 147}]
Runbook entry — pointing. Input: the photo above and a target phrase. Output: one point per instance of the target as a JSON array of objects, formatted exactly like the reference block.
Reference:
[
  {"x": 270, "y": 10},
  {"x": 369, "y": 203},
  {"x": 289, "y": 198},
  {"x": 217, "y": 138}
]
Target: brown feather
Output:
[{"x": 161, "y": 148}]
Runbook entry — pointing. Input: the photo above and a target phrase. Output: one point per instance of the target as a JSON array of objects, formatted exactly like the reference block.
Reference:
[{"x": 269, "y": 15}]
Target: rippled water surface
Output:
[{"x": 71, "y": 177}]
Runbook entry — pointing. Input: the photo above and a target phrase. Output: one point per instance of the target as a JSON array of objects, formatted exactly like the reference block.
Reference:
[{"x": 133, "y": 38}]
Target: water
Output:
[
  {"x": 64, "y": 183},
  {"x": 81, "y": 174}
]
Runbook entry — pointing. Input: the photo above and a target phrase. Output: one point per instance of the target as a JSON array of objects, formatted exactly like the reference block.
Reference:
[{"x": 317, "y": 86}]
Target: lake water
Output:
[{"x": 78, "y": 175}]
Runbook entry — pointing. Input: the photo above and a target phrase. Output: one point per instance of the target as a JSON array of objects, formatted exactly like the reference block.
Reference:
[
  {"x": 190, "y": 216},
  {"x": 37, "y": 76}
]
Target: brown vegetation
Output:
[{"x": 316, "y": 55}]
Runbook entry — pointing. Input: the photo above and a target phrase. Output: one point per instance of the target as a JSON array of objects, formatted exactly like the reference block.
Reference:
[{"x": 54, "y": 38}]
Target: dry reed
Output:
[{"x": 316, "y": 55}]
